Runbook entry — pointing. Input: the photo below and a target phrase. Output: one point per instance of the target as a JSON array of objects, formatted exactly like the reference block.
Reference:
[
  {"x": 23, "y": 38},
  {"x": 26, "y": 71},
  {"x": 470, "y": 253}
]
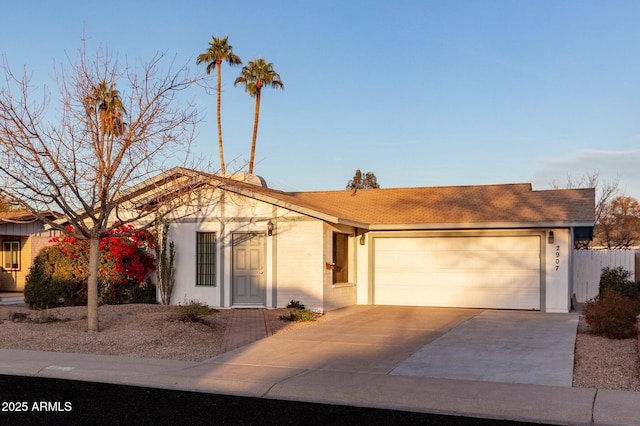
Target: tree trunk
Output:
[
  {"x": 255, "y": 132},
  {"x": 92, "y": 285},
  {"x": 222, "y": 167}
]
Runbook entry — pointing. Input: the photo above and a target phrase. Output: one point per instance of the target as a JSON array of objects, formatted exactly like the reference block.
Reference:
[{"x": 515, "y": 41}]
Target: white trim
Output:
[{"x": 476, "y": 225}]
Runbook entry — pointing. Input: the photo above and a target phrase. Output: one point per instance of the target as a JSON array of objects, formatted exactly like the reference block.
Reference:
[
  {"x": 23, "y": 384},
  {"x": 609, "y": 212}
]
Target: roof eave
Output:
[{"x": 480, "y": 225}]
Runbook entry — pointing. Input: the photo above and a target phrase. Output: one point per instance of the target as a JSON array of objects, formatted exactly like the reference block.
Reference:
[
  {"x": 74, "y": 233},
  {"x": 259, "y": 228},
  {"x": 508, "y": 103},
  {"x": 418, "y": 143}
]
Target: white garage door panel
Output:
[{"x": 480, "y": 272}]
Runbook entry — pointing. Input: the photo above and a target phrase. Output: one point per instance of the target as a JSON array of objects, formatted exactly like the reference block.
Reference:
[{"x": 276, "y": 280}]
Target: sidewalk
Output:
[
  {"x": 11, "y": 298},
  {"x": 534, "y": 403},
  {"x": 272, "y": 368}
]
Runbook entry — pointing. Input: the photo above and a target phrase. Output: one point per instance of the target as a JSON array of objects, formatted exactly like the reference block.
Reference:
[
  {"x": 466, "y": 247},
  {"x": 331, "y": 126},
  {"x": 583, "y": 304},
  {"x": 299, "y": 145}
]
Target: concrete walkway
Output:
[
  {"x": 11, "y": 298},
  {"x": 349, "y": 359}
]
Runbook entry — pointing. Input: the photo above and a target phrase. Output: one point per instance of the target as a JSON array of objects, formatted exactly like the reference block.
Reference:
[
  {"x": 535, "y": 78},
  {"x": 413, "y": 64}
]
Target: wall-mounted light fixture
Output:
[
  {"x": 550, "y": 238},
  {"x": 362, "y": 238},
  {"x": 269, "y": 228}
]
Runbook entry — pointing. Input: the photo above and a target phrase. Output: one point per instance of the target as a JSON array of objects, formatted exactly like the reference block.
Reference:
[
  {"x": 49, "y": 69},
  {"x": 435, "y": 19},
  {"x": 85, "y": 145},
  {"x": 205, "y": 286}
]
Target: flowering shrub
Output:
[{"x": 123, "y": 267}]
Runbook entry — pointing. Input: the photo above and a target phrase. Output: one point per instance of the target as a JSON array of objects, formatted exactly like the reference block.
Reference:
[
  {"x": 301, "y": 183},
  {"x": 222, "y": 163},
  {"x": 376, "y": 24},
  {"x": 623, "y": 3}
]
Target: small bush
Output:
[
  {"x": 299, "y": 315},
  {"x": 194, "y": 311},
  {"x": 612, "y": 315},
  {"x": 44, "y": 316},
  {"x": 128, "y": 292},
  {"x": 143, "y": 293},
  {"x": 49, "y": 287},
  {"x": 295, "y": 304},
  {"x": 619, "y": 280},
  {"x": 18, "y": 317}
]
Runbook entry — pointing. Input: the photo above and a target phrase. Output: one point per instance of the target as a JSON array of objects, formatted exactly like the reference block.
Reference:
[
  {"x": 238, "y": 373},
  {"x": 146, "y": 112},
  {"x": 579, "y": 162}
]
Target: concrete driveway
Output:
[
  {"x": 467, "y": 344},
  {"x": 501, "y": 346}
]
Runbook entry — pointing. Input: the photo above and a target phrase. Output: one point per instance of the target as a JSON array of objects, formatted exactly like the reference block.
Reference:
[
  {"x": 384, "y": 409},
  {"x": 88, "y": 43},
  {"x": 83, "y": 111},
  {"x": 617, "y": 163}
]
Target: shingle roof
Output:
[{"x": 481, "y": 204}]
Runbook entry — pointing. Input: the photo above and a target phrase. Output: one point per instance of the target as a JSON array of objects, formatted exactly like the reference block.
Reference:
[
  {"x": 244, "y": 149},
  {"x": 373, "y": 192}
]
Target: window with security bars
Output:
[{"x": 206, "y": 259}]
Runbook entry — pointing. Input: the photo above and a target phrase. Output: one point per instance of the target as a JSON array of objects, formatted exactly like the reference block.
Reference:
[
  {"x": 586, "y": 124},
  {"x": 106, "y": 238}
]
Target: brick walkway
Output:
[{"x": 245, "y": 326}]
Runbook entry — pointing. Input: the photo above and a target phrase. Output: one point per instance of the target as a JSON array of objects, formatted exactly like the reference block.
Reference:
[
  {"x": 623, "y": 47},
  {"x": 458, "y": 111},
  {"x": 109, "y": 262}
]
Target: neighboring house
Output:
[
  {"x": 486, "y": 246},
  {"x": 21, "y": 238}
]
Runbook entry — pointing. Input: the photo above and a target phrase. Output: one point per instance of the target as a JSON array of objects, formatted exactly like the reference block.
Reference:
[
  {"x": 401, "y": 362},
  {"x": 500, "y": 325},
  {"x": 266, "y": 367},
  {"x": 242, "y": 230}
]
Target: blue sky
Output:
[{"x": 421, "y": 93}]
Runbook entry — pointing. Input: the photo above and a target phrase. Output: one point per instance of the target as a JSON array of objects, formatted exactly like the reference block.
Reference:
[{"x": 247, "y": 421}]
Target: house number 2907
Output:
[{"x": 557, "y": 257}]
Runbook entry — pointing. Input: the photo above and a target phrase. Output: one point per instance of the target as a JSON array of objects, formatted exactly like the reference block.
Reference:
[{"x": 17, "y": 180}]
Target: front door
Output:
[{"x": 248, "y": 269}]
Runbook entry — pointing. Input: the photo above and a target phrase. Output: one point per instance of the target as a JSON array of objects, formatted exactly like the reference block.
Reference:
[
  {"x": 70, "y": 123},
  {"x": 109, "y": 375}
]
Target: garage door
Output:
[{"x": 501, "y": 272}]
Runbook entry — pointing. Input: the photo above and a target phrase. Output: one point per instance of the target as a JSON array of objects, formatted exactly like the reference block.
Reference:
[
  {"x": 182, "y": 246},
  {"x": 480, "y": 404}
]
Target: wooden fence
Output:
[{"x": 588, "y": 264}]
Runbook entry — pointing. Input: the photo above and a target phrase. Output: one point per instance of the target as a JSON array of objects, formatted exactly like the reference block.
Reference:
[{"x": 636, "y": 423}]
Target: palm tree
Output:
[
  {"x": 105, "y": 101},
  {"x": 255, "y": 75},
  {"x": 105, "y": 105},
  {"x": 218, "y": 52}
]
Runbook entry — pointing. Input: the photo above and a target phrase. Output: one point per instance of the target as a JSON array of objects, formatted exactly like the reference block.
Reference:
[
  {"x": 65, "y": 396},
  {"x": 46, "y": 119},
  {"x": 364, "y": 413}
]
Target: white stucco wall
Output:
[
  {"x": 362, "y": 271},
  {"x": 183, "y": 236},
  {"x": 224, "y": 215},
  {"x": 299, "y": 262},
  {"x": 558, "y": 271},
  {"x": 340, "y": 294},
  {"x": 293, "y": 257}
]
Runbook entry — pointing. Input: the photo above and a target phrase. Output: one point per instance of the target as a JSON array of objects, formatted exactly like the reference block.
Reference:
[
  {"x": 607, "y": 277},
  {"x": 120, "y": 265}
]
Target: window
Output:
[
  {"x": 206, "y": 259},
  {"x": 11, "y": 255},
  {"x": 340, "y": 258}
]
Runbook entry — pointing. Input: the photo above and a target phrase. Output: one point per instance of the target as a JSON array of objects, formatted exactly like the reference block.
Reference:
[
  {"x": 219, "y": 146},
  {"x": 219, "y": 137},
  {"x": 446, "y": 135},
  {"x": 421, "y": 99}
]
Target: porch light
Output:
[
  {"x": 550, "y": 239},
  {"x": 362, "y": 238},
  {"x": 269, "y": 228}
]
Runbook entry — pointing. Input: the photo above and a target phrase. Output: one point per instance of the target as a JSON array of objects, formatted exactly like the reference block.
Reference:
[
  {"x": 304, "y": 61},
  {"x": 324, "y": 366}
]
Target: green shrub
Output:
[
  {"x": 38, "y": 292},
  {"x": 295, "y": 304},
  {"x": 612, "y": 315},
  {"x": 128, "y": 292},
  {"x": 299, "y": 315},
  {"x": 49, "y": 283},
  {"x": 619, "y": 280},
  {"x": 194, "y": 311},
  {"x": 143, "y": 293}
]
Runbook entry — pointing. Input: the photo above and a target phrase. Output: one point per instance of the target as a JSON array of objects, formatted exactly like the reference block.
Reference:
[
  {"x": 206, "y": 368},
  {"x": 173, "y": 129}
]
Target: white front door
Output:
[{"x": 248, "y": 269}]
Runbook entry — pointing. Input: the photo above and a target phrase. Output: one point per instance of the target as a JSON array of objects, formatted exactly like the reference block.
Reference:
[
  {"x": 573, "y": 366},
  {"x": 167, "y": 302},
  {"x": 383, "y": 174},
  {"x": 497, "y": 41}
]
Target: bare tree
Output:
[
  {"x": 114, "y": 126},
  {"x": 605, "y": 192},
  {"x": 619, "y": 226}
]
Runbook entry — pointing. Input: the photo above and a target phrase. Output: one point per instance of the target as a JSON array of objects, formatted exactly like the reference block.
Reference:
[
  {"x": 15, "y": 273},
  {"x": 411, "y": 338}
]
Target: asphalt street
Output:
[{"x": 44, "y": 401}]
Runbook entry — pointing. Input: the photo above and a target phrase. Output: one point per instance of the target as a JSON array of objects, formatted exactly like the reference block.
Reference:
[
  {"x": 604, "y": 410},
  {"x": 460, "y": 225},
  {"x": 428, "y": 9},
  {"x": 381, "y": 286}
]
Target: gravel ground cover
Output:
[
  {"x": 156, "y": 331},
  {"x": 139, "y": 330},
  {"x": 605, "y": 363}
]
